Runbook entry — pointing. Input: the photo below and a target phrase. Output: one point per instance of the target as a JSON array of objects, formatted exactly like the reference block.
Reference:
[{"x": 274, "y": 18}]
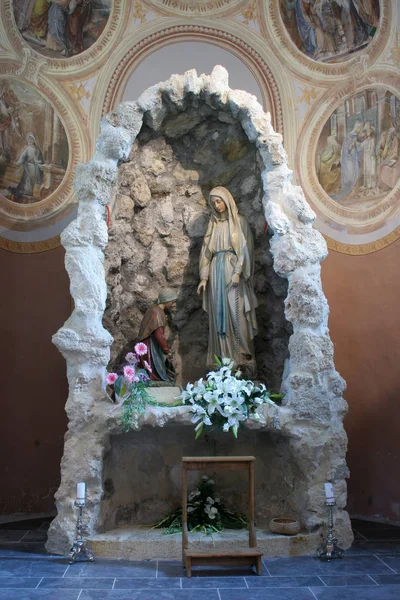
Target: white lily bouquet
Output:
[{"x": 224, "y": 400}]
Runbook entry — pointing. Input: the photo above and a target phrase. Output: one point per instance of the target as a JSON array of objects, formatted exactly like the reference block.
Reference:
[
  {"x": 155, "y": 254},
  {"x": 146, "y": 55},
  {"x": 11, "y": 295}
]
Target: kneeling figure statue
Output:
[{"x": 151, "y": 333}]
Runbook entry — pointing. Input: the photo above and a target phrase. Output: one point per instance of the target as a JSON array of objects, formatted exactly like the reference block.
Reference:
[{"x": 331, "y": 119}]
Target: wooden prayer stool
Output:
[{"x": 221, "y": 556}]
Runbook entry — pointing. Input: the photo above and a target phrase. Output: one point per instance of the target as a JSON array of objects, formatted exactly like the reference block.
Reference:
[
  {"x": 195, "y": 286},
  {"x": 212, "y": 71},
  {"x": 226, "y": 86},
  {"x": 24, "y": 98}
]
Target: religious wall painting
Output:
[
  {"x": 357, "y": 158},
  {"x": 61, "y": 28},
  {"x": 34, "y": 149},
  {"x": 330, "y": 30}
]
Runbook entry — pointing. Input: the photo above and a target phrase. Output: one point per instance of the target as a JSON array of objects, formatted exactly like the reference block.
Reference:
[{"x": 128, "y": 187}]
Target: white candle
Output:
[
  {"x": 329, "y": 492},
  {"x": 80, "y": 491}
]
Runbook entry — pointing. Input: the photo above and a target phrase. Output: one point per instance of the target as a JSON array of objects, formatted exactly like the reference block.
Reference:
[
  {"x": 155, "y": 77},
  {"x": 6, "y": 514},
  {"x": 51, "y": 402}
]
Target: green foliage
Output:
[
  {"x": 134, "y": 404},
  {"x": 205, "y": 513}
]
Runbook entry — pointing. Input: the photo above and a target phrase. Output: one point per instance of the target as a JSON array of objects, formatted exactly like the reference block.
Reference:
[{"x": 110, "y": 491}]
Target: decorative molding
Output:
[
  {"x": 197, "y": 8},
  {"x": 31, "y": 66},
  {"x": 361, "y": 249},
  {"x": 230, "y": 41},
  {"x": 139, "y": 11},
  {"x": 394, "y": 53},
  {"x": 30, "y": 247},
  {"x": 308, "y": 95},
  {"x": 250, "y": 13}
]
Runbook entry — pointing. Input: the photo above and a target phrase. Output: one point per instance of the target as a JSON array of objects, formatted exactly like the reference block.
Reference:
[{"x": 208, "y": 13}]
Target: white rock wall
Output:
[{"x": 313, "y": 407}]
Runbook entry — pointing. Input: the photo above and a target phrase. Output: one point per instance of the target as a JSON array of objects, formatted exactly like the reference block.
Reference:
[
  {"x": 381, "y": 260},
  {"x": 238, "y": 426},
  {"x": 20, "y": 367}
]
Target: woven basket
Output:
[{"x": 284, "y": 526}]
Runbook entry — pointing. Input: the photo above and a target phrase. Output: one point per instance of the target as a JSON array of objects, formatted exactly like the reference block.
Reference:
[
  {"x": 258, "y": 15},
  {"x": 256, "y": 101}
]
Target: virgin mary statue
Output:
[{"x": 226, "y": 274}]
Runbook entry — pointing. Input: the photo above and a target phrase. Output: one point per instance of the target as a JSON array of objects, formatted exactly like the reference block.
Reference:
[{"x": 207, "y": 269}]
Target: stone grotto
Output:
[{"x": 156, "y": 161}]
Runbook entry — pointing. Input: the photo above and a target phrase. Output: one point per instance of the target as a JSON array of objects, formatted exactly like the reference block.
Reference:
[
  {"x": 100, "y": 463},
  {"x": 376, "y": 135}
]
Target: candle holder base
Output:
[
  {"x": 329, "y": 548},
  {"x": 79, "y": 547}
]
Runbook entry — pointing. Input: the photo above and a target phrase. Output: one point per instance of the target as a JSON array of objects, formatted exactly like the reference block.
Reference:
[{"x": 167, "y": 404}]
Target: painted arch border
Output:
[
  {"x": 274, "y": 29},
  {"x": 27, "y": 217},
  {"x": 183, "y": 8},
  {"x": 362, "y": 249},
  {"x": 233, "y": 37},
  {"x": 305, "y": 167}
]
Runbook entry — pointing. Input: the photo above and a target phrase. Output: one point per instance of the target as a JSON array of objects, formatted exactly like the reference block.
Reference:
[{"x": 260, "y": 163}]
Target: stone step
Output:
[{"x": 144, "y": 543}]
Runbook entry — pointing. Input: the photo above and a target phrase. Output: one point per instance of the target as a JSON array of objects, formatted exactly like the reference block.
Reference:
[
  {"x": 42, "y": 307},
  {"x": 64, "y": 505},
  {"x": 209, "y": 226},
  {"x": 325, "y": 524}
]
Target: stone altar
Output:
[{"x": 304, "y": 438}]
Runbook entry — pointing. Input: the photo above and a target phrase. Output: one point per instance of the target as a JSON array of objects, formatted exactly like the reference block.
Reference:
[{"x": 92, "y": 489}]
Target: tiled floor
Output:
[{"x": 370, "y": 570}]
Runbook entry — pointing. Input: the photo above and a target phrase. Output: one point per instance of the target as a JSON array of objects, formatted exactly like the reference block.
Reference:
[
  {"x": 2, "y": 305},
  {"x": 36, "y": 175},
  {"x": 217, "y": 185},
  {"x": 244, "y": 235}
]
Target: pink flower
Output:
[
  {"x": 132, "y": 379},
  {"x": 131, "y": 358},
  {"x": 147, "y": 366},
  {"x": 111, "y": 378},
  {"x": 129, "y": 372},
  {"x": 141, "y": 349}
]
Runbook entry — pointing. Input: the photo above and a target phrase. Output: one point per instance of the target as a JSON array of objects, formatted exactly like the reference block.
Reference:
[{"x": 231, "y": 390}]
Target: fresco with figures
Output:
[
  {"x": 33, "y": 144},
  {"x": 330, "y": 30},
  {"x": 59, "y": 28},
  {"x": 358, "y": 152}
]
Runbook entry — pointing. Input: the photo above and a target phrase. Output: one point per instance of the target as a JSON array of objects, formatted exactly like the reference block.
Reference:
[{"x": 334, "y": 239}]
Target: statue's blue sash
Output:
[{"x": 221, "y": 293}]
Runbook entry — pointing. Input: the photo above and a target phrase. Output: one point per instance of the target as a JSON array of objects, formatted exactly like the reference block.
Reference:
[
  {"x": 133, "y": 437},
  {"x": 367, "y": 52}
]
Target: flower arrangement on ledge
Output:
[
  {"x": 130, "y": 387},
  {"x": 205, "y": 513},
  {"x": 223, "y": 400}
]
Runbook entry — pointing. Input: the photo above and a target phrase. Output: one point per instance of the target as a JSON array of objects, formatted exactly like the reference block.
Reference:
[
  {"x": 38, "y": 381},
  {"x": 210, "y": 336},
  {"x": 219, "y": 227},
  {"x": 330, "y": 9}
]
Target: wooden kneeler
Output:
[{"x": 221, "y": 556}]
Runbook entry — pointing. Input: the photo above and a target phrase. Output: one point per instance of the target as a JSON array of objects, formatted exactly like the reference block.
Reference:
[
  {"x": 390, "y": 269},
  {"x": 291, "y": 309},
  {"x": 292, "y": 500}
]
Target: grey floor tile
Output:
[
  {"x": 381, "y": 534},
  {"x": 25, "y": 567},
  {"x": 268, "y": 594},
  {"x": 77, "y": 583},
  {"x": 25, "y": 594},
  {"x": 12, "y": 535},
  {"x": 344, "y": 580},
  {"x": 353, "y": 565},
  {"x": 213, "y": 582},
  {"x": 283, "y": 582},
  {"x": 21, "y": 549},
  {"x": 113, "y": 568},
  {"x": 388, "y": 592},
  {"x": 292, "y": 566},
  {"x": 148, "y": 583},
  {"x": 149, "y": 595},
  {"x": 170, "y": 568},
  {"x": 35, "y": 536},
  {"x": 365, "y": 547},
  {"x": 48, "y": 567},
  {"x": 391, "y": 561},
  {"x": 10, "y": 567},
  {"x": 19, "y": 582},
  {"x": 387, "y": 579},
  {"x": 350, "y": 565},
  {"x": 24, "y": 524},
  {"x": 175, "y": 569},
  {"x": 359, "y": 524}
]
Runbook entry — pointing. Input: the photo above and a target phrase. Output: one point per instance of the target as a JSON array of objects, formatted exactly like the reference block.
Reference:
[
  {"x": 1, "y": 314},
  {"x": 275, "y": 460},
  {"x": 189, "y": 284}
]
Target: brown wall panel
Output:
[
  {"x": 35, "y": 303},
  {"x": 363, "y": 293}
]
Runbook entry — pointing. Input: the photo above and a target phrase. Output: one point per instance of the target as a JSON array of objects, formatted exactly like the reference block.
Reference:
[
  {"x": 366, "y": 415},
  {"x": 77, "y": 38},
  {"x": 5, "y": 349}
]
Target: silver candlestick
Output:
[
  {"x": 79, "y": 545},
  {"x": 329, "y": 548}
]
